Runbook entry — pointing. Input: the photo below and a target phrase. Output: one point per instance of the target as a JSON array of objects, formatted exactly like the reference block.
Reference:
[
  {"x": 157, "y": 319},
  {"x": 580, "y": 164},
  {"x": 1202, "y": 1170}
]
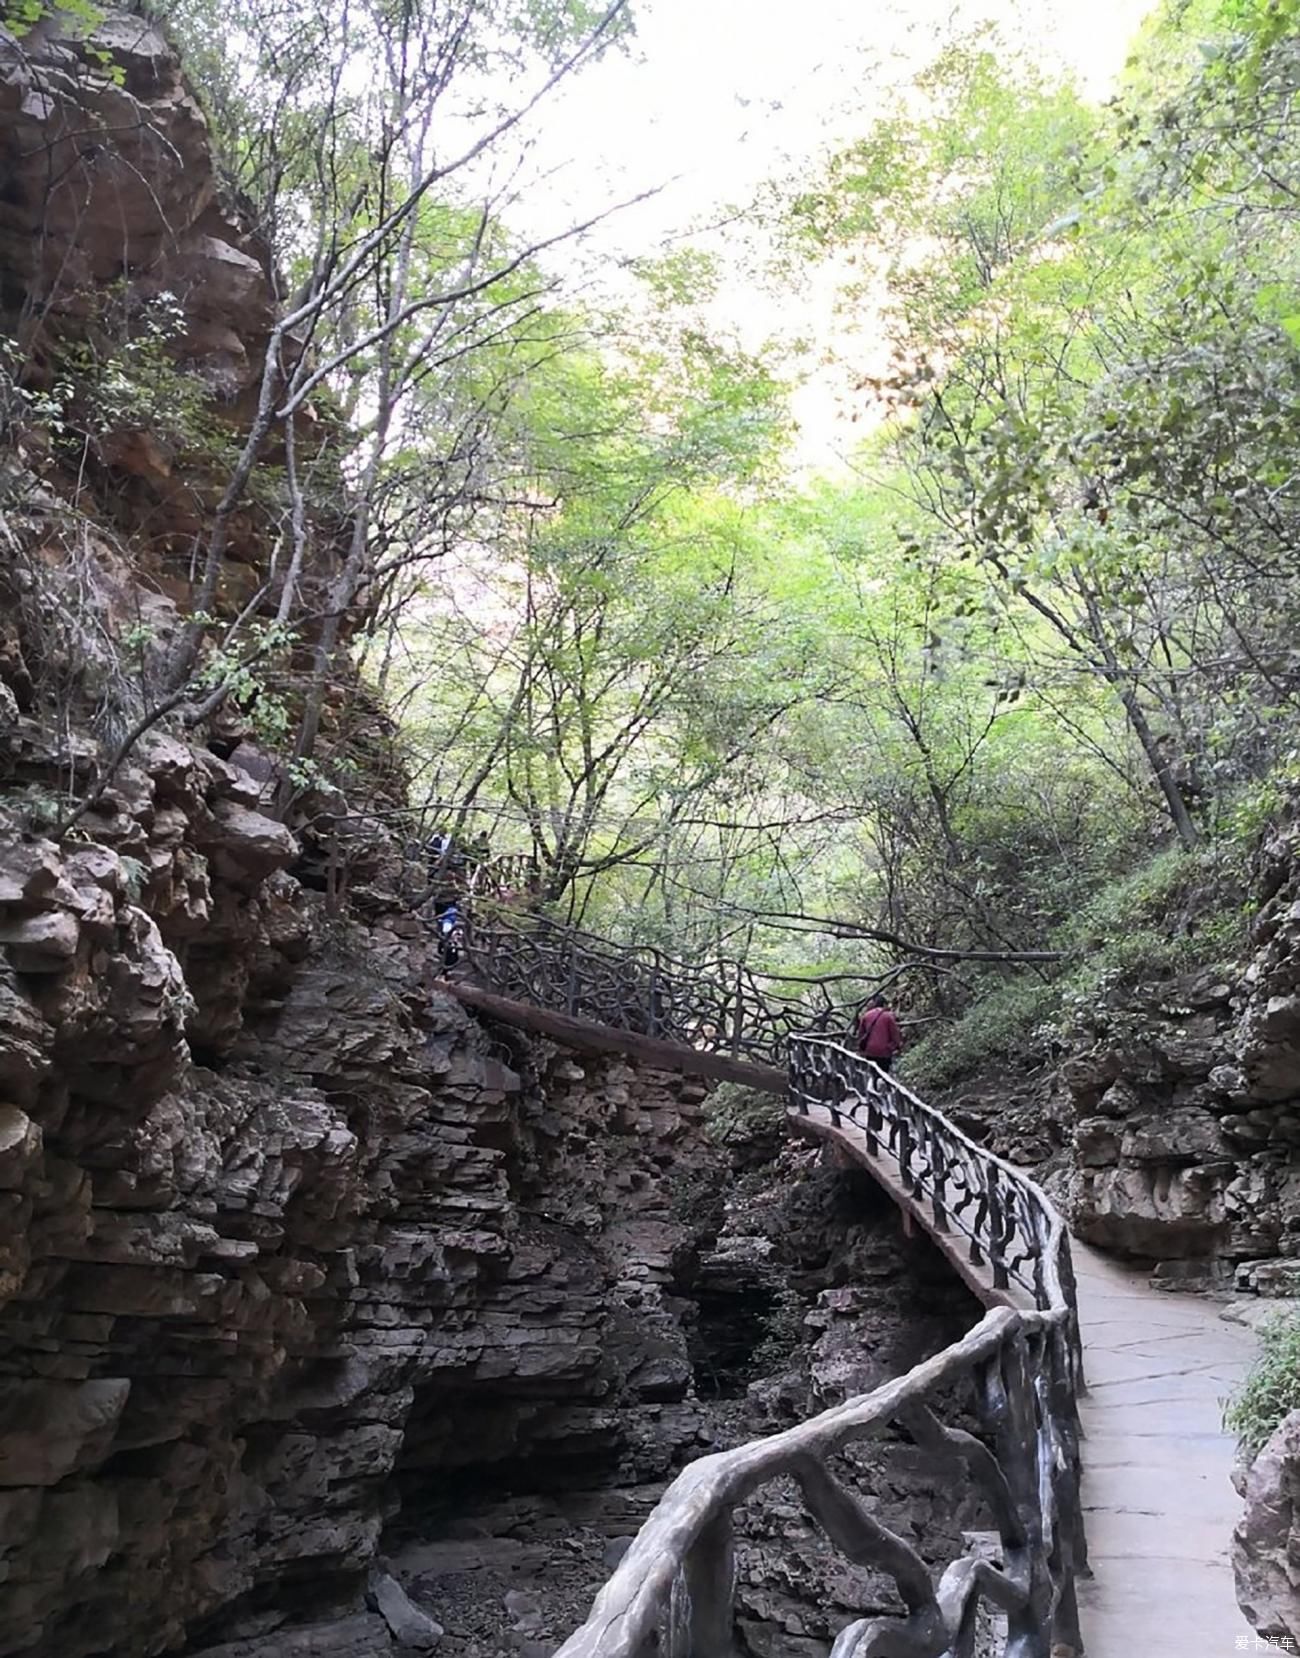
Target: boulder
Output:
[
  {"x": 25, "y": 1041},
  {"x": 1266, "y": 1542},
  {"x": 43, "y": 943},
  {"x": 1175, "y": 1137},
  {"x": 245, "y": 845},
  {"x": 48, "y": 1429},
  {"x": 1150, "y": 1213},
  {"x": 29, "y": 872},
  {"x": 412, "y": 1629},
  {"x": 20, "y": 1146},
  {"x": 1096, "y": 1142}
]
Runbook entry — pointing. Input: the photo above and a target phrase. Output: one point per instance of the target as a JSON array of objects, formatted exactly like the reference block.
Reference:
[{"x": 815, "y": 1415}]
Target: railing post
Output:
[
  {"x": 738, "y": 1013},
  {"x": 996, "y": 1214},
  {"x": 905, "y": 1151},
  {"x": 709, "y": 1571},
  {"x": 874, "y": 1121},
  {"x": 793, "y": 1079},
  {"x": 652, "y": 1018},
  {"x": 938, "y": 1180}
]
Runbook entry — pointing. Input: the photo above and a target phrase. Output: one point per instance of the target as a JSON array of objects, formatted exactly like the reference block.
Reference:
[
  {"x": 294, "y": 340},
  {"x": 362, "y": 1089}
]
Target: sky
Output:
[{"x": 718, "y": 96}]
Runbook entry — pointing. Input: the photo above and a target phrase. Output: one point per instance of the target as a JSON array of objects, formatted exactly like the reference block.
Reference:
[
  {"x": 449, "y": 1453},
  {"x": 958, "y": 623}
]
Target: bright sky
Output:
[{"x": 719, "y": 95}]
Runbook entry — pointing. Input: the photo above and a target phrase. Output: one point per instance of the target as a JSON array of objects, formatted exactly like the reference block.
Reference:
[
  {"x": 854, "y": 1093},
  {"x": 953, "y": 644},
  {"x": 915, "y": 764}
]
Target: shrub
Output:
[
  {"x": 734, "y": 1112},
  {"x": 1177, "y": 911},
  {"x": 1272, "y": 1389},
  {"x": 1005, "y": 1021}
]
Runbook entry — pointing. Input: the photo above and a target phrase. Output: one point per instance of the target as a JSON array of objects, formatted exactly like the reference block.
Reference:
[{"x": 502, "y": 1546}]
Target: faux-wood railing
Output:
[
  {"x": 713, "y": 1006},
  {"x": 1019, "y": 1366}
]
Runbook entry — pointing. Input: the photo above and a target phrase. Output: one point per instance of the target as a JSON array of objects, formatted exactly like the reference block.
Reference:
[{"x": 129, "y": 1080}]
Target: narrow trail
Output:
[{"x": 1158, "y": 1504}]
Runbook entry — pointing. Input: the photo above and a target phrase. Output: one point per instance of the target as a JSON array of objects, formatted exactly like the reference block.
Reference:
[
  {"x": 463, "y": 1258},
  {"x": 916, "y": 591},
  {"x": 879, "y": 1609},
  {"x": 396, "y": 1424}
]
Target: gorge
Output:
[{"x": 337, "y": 1318}]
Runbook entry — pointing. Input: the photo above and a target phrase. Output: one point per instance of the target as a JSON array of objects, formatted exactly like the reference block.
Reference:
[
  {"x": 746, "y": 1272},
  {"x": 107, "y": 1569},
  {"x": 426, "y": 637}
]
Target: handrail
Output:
[
  {"x": 938, "y": 1160},
  {"x": 673, "y": 1590},
  {"x": 717, "y": 1006}
]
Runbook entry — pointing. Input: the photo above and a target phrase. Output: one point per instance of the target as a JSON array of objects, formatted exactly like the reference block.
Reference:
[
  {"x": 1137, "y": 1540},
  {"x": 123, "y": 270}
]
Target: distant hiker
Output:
[
  {"x": 478, "y": 851},
  {"x": 878, "y": 1035},
  {"x": 450, "y": 933},
  {"x": 440, "y": 855}
]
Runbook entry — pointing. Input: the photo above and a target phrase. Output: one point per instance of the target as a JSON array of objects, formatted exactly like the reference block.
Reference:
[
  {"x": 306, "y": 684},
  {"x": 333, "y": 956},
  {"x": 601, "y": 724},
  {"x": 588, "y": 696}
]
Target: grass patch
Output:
[
  {"x": 1272, "y": 1389},
  {"x": 1003, "y": 1022},
  {"x": 735, "y": 1113},
  {"x": 1175, "y": 913}
]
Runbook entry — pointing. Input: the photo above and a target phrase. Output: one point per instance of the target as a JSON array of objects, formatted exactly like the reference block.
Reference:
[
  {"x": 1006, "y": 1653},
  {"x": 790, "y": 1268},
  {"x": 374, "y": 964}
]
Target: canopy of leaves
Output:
[
  {"x": 1048, "y": 631},
  {"x": 909, "y": 725}
]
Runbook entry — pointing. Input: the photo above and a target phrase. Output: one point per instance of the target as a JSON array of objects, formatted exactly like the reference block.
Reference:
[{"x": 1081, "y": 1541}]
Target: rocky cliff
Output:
[
  {"x": 253, "y": 1302},
  {"x": 1165, "y": 1116},
  {"x": 282, "y": 1236},
  {"x": 298, "y": 1262},
  {"x": 1187, "y": 1103},
  {"x": 1266, "y": 1544},
  {"x": 362, "y": 1270}
]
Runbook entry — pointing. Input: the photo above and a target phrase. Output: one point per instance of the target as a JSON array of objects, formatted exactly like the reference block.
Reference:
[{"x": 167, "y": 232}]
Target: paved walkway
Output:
[{"x": 1158, "y": 1503}]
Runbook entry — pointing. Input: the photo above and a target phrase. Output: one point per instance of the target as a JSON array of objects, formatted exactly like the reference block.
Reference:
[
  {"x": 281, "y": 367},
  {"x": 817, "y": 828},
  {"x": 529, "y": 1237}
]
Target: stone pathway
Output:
[{"x": 1158, "y": 1503}]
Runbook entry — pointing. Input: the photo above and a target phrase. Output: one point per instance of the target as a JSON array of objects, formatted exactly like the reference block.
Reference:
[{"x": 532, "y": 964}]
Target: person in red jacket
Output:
[{"x": 878, "y": 1035}]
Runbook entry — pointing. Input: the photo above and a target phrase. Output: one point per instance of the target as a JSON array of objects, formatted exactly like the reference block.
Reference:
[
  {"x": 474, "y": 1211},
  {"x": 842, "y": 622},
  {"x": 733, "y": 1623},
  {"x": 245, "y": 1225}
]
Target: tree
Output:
[
  {"x": 605, "y": 649},
  {"x": 377, "y": 147},
  {"x": 1100, "y": 398}
]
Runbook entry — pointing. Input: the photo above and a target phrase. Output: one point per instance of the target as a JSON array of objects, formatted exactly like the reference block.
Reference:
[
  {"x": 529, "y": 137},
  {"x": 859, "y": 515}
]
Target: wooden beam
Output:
[{"x": 589, "y": 1037}]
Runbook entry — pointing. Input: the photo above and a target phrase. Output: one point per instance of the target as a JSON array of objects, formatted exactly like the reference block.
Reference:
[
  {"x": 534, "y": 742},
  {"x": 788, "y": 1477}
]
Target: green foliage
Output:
[
  {"x": 975, "y": 181},
  {"x": 1271, "y": 1390},
  {"x": 1100, "y": 361},
  {"x": 311, "y": 79},
  {"x": 79, "y": 18},
  {"x": 126, "y": 378},
  {"x": 136, "y": 876},
  {"x": 783, "y": 1332},
  {"x": 735, "y": 1113},
  {"x": 1011, "y": 1021},
  {"x": 1255, "y": 809},
  {"x": 37, "y": 807},
  {"x": 20, "y": 17},
  {"x": 978, "y": 694},
  {"x": 1173, "y": 913},
  {"x": 26, "y": 405},
  {"x": 623, "y": 656},
  {"x": 244, "y": 666}
]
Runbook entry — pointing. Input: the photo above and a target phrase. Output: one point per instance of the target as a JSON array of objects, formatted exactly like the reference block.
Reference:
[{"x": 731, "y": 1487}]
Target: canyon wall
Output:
[
  {"x": 250, "y": 1301},
  {"x": 1187, "y": 1105},
  {"x": 1165, "y": 1116},
  {"x": 282, "y": 1233},
  {"x": 308, "y": 1281}
]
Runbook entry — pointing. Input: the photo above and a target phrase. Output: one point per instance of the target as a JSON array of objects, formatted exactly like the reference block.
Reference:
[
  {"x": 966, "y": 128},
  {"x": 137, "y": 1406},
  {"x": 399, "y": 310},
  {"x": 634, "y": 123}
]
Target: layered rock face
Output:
[
  {"x": 1186, "y": 1107},
  {"x": 1266, "y": 1543},
  {"x": 283, "y": 1237},
  {"x": 364, "y": 1265},
  {"x": 809, "y": 1263},
  {"x": 1166, "y": 1119},
  {"x": 137, "y": 299},
  {"x": 251, "y": 1301}
]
